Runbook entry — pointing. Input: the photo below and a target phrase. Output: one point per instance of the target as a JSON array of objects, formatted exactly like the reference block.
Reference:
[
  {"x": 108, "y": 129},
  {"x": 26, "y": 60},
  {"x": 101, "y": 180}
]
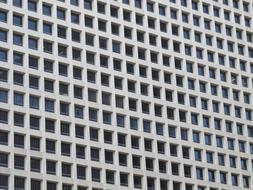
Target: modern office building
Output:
[{"x": 126, "y": 94}]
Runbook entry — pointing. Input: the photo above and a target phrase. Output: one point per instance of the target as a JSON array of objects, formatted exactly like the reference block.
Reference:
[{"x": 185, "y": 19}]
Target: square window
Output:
[
  {"x": 17, "y": 39},
  {"x": 88, "y": 21},
  {"x": 46, "y": 9},
  {"x": 17, "y": 58},
  {"x": 88, "y": 4},
  {"x": 74, "y": 2},
  {"x": 3, "y": 73},
  {"x": 17, "y": 20},
  {"x": 3, "y": 35},
  {"x": 74, "y": 18},
  {"x": 32, "y": 5},
  {"x": 17, "y": 3},
  {"x": 18, "y": 78},
  {"x": 33, "y": 43},
  {"x": 32, "y": 24},
  {"x": 18, "y": 99},
  {"x": 61, "y": 14},
  {"x": 3, "y": 16},
  {"x": 76, "y": 35},
  {"x": 3, "y": 95}
]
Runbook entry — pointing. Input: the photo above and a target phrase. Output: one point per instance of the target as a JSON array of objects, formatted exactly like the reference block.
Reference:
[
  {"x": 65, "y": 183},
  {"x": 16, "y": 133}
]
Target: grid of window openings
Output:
[{"x": 126, "y": 94}]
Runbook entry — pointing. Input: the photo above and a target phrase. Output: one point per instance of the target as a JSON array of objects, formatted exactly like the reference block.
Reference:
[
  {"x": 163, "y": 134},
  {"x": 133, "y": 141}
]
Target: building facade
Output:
[{"x": 126, "y": 94}]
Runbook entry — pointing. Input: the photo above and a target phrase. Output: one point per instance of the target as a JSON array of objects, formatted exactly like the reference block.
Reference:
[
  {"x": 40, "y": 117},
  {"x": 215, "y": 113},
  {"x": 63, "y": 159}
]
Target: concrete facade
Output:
[{"x": 126, "y": 94}]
